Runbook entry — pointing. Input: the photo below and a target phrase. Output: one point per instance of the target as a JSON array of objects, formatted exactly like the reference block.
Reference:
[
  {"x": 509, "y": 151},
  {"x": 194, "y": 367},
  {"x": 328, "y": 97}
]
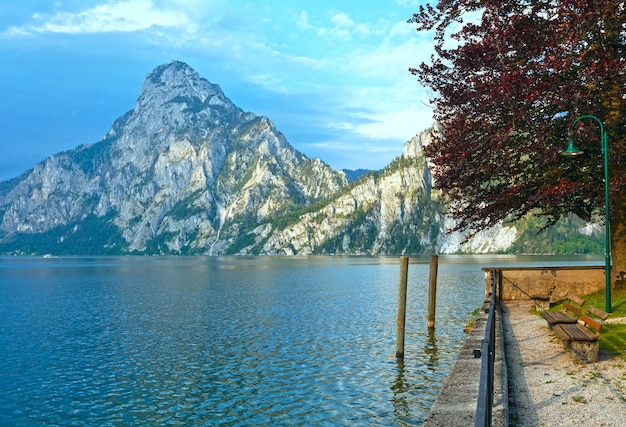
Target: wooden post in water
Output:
[
  {"x": 432, "y": 290},
  {"x": 404, "y": 270}
]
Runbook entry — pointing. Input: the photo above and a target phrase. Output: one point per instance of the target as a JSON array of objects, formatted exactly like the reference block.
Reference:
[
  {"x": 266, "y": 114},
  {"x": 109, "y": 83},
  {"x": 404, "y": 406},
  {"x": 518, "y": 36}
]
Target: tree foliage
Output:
[{"x": 509, "y": 77}]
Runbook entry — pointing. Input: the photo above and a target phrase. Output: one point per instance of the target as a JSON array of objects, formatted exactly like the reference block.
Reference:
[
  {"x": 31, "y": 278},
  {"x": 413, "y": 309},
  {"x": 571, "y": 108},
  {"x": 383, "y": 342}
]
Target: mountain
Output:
[
  {"x": 390, "y": 212},
  {"x": 183, "y": 171},
  {"x": 188, "y": 172},
  {"x": 354, "y": 175}
]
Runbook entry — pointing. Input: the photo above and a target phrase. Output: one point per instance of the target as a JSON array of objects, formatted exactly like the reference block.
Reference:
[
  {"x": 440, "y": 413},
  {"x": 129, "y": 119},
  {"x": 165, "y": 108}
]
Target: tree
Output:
[{"x": 509, "y": 77}]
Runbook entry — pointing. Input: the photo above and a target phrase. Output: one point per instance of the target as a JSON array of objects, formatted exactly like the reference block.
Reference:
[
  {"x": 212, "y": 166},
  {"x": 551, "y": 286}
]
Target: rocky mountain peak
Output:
[
  {"x": 175, "y": 99},
  {"x": 180, "y": 82},
  {"x": 185, "y": 170}
]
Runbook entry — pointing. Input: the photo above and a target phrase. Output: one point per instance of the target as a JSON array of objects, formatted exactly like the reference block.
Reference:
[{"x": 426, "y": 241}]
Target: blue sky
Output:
[{"x": 332, "y": 75}]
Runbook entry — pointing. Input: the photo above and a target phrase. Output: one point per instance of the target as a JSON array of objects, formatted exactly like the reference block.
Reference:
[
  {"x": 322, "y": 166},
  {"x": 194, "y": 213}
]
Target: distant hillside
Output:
[
  {"x": 354, "y": 175},
  {"x": 188, "y": 172}
]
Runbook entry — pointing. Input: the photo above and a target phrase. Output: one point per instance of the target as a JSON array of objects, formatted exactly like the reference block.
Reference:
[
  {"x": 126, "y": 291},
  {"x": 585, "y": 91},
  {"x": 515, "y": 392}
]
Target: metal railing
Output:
[{"x": 484, "y": 405}]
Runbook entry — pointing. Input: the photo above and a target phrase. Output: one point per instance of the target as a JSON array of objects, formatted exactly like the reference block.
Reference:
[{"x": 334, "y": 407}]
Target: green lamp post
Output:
[{"x": 572, "y": 151}]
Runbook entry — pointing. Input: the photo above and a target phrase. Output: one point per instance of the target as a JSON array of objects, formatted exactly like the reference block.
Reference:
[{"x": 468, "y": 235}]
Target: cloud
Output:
[
  {"x": 410, "y": 3},
  {"x": 391, "y": 104},
  {"x": 342, "y": 27},
  {"x": 303, "y": 22},
  {"x": 268, "y": 81},
  {"x": 342, "y": 21},
  {"x": 120, "y": 16},
  {"x": 365, "y": 89},
  {"x": 402, "y": 123}
]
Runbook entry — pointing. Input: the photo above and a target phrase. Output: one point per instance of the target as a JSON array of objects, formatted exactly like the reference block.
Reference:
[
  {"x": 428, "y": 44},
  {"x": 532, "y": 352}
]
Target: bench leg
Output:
[
  {"x": 585, "y": 351},
  {"x": 565, "y": 340}
]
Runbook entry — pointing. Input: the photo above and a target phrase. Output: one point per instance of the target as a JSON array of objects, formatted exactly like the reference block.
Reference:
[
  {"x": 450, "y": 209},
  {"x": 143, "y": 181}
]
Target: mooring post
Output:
[
  {"x": 404, "y": 270},
  {"x": 432, "y": 290}
]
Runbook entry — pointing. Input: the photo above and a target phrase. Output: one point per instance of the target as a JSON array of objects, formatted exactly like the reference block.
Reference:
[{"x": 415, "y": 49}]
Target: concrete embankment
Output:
[{"x": 455, "y": 405}]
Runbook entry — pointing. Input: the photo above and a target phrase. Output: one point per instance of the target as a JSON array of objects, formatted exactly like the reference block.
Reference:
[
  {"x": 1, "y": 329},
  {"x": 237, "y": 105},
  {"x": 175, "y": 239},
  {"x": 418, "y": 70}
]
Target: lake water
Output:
[{"x": 229, "y": 341}]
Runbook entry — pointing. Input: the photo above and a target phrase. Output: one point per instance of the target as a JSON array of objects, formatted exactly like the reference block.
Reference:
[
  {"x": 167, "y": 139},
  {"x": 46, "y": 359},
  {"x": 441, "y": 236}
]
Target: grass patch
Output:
[
  {"x": 613, "y": 339},
  {"x": 470, "y": 324},
  {"x": 618, "y": 301}
]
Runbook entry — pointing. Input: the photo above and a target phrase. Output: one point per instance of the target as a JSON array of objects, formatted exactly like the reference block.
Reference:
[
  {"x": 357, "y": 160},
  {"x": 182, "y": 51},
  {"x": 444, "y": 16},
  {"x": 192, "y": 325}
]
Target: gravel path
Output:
[{"x": 546, "y": 388}]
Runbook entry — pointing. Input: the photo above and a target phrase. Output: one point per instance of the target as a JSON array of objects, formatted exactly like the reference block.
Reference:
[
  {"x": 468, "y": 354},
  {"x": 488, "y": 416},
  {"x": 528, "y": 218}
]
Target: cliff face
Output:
[
  {"x": 390, "y": 212},
  {"x": 170, "y": 174},
  {"x": 188, "y": 172}
]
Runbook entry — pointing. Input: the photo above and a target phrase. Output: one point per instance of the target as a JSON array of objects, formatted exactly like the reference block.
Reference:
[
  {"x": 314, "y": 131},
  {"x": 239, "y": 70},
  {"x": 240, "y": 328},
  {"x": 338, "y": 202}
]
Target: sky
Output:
[{"x": 331, "y": 74}]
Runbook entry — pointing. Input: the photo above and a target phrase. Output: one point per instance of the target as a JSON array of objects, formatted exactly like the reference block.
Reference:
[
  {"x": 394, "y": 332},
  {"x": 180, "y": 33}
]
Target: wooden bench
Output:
[
  {"x": 573, "y": 308},
  {"x": 582, "y": 338}
]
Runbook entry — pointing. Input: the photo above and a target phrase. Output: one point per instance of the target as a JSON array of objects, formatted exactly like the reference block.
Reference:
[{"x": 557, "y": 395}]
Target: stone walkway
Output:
[{"x": 546, "y": 388}]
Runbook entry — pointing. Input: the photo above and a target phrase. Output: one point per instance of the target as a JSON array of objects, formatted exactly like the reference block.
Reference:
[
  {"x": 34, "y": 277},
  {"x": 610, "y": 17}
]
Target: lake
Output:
[{"x": 230, "y": 341}]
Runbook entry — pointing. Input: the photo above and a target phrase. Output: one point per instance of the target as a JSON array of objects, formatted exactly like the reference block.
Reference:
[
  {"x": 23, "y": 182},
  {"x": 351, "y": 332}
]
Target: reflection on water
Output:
[
  {"x": 228, "y": 341},
  {"x": 400, "y": 388},
  {"x": 431, "y": 350},
  {"x": 403, "y": 389}
]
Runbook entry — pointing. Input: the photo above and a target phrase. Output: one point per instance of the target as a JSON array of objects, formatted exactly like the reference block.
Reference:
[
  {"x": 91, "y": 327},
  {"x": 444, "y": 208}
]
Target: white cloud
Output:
[
  {"x": 387, "y": 101},
  {"x": 402, "y": 123},
  {"x": 268, "y": 81},
  {"x": 410, "y": 3},
  {"x": 341, "y": 126},
  {"x": 342, "y": 27},
  {"x": 342, "y": 20},
  {"x": 369, "y": 90},
  {"x": 303, "y": 21},
  {"x": 120, "y": 16}
]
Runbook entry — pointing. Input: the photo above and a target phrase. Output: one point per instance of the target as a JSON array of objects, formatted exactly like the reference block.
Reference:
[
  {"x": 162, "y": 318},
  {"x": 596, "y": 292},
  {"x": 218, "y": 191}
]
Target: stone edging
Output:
[{"x": 455, "y": 405}]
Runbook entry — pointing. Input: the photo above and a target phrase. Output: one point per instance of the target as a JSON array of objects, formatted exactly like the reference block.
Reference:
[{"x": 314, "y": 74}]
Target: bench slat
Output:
[
  {"x": 574, "y": 332},
  {"x": 572, "y": 309},
  {"x": 597, "y": 312},
  {"x": 576, "y": 310},
  {"x": 555, "y": 317},
  {"x": 576, "y": 299},
  {"x": 594, "y": 324},
  {"x": 560, "y": 332}
]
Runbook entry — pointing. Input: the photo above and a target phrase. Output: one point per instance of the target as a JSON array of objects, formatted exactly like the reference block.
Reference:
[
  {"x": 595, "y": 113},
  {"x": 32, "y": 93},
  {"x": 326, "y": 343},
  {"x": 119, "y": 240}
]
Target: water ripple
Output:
[{"x": 194, "y": 341}]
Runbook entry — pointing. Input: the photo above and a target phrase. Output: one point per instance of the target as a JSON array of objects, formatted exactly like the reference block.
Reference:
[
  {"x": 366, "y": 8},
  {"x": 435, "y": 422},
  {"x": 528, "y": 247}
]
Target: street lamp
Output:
[{"x": 572, "y": 151}]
